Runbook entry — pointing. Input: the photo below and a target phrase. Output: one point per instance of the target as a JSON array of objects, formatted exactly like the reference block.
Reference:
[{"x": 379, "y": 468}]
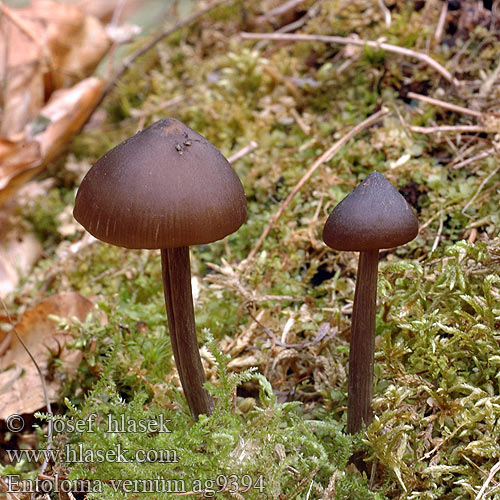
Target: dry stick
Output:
[
  {"x": 386, "y": 11},
  {"x": 243, "y": 152},
  {"x": 444, "y": 104},
  {"x": 474, "y": 158},
  {"x": 440, "y": 25},
  {"x": 492, "y": 473},
  {"x": 44, "y": 386},
  {"x": 356, "y": 41},
  {"x": 438, "y": 235},
  {"x": 325, "y": 157},
  {"x": 280, "y": 10},
  {"x": 148, "y": 46},
  {"x": 479, "y": 189},
  {"x": 448, "y": 128}
]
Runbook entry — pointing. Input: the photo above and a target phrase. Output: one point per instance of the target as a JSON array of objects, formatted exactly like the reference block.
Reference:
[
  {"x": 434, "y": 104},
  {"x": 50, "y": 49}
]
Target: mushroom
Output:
[
  {"x": 166, "y": 188},
  {"x": 372, "y": 217}
]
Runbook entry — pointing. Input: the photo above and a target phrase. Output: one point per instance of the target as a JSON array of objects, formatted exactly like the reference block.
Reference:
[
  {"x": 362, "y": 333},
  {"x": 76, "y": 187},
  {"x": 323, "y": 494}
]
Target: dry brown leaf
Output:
[
  {"x": 18, "y": 254},
  {"x": 62, "y": 41},
  {"x": 66, "y": 112},
  {"x": 59, "y": 120},
  {"x": 16, "y": 158},
  {"x": 44, "y": 47},
  {"x": 20, "y": 385}
]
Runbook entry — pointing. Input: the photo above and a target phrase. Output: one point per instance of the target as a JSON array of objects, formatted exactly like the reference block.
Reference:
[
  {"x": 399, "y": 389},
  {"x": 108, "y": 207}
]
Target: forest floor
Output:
[{"x": 273, "y": 303}]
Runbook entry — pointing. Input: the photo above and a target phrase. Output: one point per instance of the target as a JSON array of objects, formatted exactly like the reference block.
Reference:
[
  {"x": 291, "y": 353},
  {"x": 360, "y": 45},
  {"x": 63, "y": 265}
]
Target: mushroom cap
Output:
[
  {"x": 165, "y": 187},
  {"x": 371, "y": 217}
]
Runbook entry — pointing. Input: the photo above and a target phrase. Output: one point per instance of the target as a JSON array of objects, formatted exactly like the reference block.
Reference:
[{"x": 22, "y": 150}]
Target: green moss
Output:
[{"x": 436, "y": 390}]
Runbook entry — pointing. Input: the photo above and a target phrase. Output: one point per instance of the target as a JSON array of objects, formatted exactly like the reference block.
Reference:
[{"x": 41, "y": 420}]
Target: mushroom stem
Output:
[
  {"x": 362, "y": 346},
  {"x": 176, "y": 275}
]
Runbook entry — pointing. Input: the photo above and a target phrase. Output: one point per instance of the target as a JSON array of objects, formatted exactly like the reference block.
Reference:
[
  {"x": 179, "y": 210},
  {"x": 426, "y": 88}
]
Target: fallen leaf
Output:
[
  {"x": 45, "y": 49},
  {"x": 18, "y": 254},
  {"x": 20, "y": 385},
  {"x": 59, "y": 120}
]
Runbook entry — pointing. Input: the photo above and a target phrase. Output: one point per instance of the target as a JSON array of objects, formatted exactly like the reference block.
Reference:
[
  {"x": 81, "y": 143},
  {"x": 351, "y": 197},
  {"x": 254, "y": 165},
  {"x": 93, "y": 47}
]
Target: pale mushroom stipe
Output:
[
  {"x": 372, "y": 217},
  {"x": 166, "y": 188}
]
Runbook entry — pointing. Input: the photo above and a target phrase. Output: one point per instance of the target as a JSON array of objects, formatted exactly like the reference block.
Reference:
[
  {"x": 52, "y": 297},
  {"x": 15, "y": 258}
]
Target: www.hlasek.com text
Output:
[{"x": 72, "y": 454}]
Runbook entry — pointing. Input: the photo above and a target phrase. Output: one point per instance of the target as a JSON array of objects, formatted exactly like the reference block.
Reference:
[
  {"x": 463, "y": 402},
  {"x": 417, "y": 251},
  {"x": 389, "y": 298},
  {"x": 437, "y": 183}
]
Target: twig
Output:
[
  {"x": 474, "y": 158},
  {"x": 438, "y": 235},
  {"x": 440, "y": 25},
  {"x": 243, "y": 152},
  {"x": 148, "y": 46},
  {"x": 481, "y": 186},
  {"x": 444, "y": 104},
  {"x": 467, "y": 459},
  {"x": 355, "y": 41},
  {"x": 279, "y": 11},
  {"x": 325, "y": 157},
  {"x": 386, "y": 11},
  {"x": 447, "y": 128},
  {"x": 44, "y": 386},
  {"x": 492, "y": 473}
]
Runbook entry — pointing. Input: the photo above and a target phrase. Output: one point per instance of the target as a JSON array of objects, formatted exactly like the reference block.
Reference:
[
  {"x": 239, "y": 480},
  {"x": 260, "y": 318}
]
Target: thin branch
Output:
[
  {"x": 355, "y": 41},
  {"x": 440, "y": 25},
  {"x": 325, "y": 157},
  {"x": 438, "y": 235},
  {"x": 474, "y": 158},
  {"x": 492, "y": 473},
  {"x": 444, "y": 104},
  {"x": 243, "y": 152},
  {"x": 448, "y": 128},
  {"x": 149, "y": 45},
  {"x": 386, "y": 11},
  {"x": 479, "y": 189},
  {"x": 279, "y": 11}
]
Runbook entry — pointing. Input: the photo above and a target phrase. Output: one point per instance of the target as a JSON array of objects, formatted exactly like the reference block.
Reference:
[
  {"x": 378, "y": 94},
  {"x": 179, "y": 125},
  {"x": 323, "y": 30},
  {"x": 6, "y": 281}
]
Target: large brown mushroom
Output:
[
  {"x": 372, "y": 217},
  {"x": 166, "y": 187}
]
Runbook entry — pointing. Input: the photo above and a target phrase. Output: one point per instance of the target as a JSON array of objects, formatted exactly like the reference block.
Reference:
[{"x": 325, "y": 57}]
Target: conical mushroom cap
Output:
[
  {"x": 165, "y": 187},
  {"x": 372, "y": 217}
]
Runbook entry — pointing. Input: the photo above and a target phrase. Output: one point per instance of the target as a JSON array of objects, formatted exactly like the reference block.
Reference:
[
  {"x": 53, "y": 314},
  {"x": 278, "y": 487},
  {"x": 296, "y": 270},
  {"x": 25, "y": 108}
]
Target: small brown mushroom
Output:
[
  {"x": 166, "y": 187},
  {"x": 372, "y": 217}
]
